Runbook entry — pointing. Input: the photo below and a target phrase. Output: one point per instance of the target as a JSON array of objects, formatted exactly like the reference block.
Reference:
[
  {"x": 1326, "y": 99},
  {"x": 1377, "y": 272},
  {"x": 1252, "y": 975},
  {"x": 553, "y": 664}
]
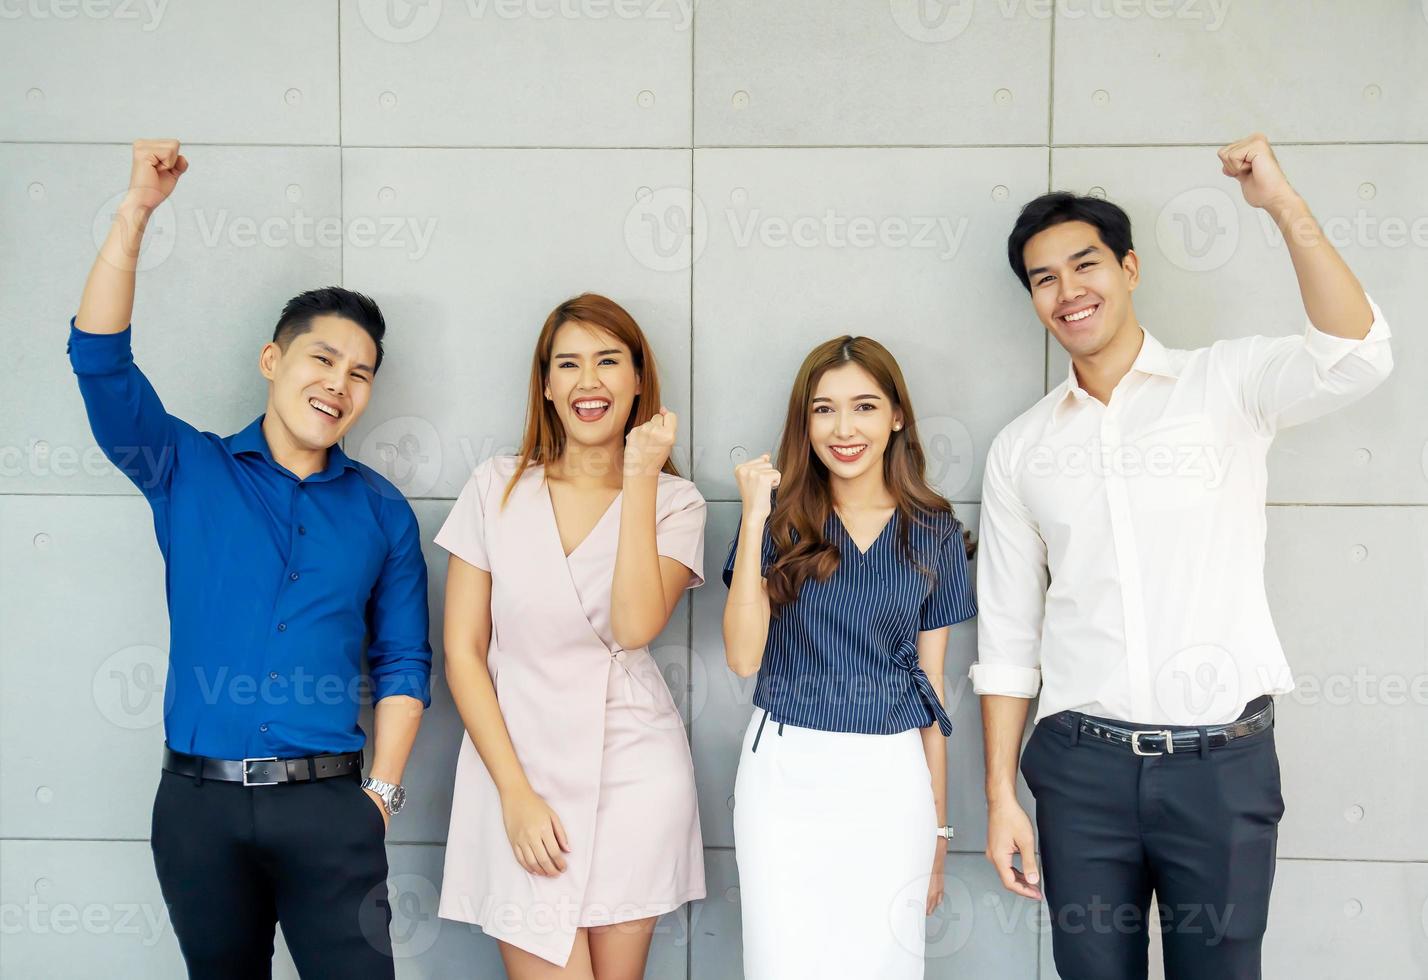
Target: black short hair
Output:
[
  {"x": 296, "y": 318},
  {"x": 1062, "y": 206}
]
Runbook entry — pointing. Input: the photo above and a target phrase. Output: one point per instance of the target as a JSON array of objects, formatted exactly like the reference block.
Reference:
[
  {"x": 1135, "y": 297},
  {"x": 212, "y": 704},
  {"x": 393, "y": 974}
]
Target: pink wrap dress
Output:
[{"x": 593, "y": 724}]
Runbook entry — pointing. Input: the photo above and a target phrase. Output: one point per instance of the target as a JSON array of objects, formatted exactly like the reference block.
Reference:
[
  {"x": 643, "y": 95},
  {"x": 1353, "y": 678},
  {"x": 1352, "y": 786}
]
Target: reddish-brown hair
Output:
[{"x": 544, "y": 439}]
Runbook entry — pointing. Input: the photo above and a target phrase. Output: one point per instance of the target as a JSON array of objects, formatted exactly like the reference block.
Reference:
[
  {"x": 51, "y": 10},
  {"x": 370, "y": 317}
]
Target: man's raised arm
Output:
[{"x": 127, "y": 418}]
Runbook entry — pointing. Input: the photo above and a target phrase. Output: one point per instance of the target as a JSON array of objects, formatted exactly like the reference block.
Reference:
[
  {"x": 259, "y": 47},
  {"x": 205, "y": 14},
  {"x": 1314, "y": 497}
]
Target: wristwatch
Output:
[
  {"x": 945, "y": 831},
  {"x": 393, "y": 796}
]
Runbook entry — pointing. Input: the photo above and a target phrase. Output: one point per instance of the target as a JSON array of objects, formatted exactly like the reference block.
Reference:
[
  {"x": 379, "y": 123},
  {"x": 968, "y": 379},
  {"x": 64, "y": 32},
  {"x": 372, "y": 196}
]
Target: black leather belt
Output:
[
  {"x": 1167, "y": 741},
  {"x": 265, "y": 771}
]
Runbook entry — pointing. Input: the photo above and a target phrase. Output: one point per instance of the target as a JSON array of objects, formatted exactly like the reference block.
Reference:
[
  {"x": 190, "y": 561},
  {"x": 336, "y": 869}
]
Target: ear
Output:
[
  {"x": 1131, "y": 265},
  {"x": 639, "y": 384},
  {"x": 897, "y": 420},
  {"x": 268, "y": 359}
]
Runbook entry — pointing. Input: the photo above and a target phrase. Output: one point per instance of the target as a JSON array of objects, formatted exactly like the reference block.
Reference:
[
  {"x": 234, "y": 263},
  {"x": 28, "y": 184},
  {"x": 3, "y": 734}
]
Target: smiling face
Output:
[
  {"x": 1081, "y": 293},
  {"x": 850, "y": 421},
  {"x": 322, "y": 382},
  {"x": 592, "y": 383}
]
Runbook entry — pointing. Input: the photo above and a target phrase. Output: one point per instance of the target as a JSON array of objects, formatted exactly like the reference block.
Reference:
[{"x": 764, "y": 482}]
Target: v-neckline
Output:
[
  {"x": 863, "y": 553},
  {"x": 555, "y": 522}
]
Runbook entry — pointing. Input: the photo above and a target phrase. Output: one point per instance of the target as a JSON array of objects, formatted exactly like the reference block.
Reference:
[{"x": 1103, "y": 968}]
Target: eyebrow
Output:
[
  {"x": 1079, "y": 255},
  {"x": 856, "y": 398},
  {"x": 327, "y": 348},
  {"x": 598, "y": 353}
]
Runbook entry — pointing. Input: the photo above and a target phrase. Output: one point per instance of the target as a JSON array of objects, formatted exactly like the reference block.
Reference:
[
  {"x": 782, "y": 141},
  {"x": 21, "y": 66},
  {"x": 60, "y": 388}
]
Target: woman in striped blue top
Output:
[{"x": 844, "y": 577}]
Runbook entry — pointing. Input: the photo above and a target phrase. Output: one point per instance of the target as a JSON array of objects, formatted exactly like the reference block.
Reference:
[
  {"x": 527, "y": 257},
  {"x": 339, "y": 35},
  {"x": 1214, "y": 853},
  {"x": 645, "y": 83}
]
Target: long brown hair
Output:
[
  {"x": 544, "y": 439},
  {"x": 804, "y": 501}
]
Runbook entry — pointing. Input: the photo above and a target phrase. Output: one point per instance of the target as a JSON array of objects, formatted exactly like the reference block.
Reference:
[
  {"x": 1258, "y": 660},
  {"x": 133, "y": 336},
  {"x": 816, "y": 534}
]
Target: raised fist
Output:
[
  {"x": 156, "y": 168},
  {"x": 647, "y": 446},
  {"x": 1253, "y": 164},
  {"x": 757, "y": 479}
]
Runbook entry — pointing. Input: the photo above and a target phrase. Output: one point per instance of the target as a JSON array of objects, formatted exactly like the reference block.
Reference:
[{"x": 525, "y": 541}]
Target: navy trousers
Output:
[{"x": 1198, "y": 829}]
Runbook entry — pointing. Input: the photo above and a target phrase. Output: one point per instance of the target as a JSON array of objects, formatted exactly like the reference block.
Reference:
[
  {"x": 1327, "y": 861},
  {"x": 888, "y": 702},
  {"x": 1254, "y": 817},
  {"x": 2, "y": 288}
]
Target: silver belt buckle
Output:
[
  {"x": 1169, "y": 741},
  {"x": 249, "y": 782}
]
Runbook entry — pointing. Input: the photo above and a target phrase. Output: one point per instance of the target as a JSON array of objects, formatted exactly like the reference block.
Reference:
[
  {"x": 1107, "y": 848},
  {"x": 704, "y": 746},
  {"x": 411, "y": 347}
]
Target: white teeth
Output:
[
  {"x": 321, "y": 407},
  {"x": 847, "y": 453},
  {"x": 592, "y": 405},
  {"x": 1072, "y": 318}
]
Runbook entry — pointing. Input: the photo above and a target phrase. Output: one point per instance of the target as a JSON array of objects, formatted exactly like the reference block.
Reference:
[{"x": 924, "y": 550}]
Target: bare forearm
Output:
[
  {"x": 746, "y": 610},
  {"x": 107, "y": 303},
  {"x": 475, "y": 696},
  {"x": 637, "y": 603},
  {"x": 934, "y": 745},
  {"x": 108, "y": 299},
  {"x": 1003, "y": 719},
  {"x": 396, "y": 719},
  {"x": 1333, "y": 298}
]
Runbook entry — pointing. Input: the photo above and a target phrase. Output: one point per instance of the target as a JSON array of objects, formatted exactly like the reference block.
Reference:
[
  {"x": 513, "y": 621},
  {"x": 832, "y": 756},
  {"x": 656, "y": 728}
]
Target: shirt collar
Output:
[
  {"x": 251, "y": 440},
  {"x": 1152, "y": 359}
]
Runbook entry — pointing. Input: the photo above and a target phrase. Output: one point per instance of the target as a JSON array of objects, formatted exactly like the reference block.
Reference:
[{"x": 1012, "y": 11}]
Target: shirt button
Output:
[
  {"x": 301, "y": 529},
  {"x": 263, "y": 728},
  {"x": 282, "y": 627},
  {"x": 273, "y": 674},
  {"x": 293, "y": 577}
]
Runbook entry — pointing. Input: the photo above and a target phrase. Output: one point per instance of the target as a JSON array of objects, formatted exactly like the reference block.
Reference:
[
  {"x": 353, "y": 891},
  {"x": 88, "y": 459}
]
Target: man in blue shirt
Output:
[{"x": 282, "y": 555}]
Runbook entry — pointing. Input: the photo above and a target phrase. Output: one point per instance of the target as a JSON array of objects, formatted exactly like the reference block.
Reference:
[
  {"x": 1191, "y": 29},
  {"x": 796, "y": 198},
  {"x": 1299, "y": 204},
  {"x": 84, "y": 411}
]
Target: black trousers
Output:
[
  {"x": 234, "y": 860},
  {"x": 1198, "y": 829}
]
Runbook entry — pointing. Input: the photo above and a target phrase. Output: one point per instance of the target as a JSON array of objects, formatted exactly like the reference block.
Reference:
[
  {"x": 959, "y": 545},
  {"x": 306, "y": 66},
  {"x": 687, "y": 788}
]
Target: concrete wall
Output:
[{"x": 748, "y": 179}]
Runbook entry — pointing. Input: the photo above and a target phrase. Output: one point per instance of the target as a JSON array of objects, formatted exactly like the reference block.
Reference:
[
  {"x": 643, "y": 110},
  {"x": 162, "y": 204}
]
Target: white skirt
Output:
[{"x": 834, "y": 835}]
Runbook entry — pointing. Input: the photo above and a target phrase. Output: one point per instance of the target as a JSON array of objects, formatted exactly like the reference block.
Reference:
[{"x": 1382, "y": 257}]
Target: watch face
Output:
[{"x": 399, "y": 796}]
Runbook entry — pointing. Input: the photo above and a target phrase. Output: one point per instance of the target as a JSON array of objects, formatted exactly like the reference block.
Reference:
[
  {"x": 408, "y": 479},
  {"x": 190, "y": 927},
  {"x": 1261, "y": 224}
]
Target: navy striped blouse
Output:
[{"x": 843, "y": 656}]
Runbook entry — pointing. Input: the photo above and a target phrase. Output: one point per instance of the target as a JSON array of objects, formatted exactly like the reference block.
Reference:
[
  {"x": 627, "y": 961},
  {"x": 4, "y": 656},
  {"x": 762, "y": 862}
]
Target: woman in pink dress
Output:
[{"x": 573, "y": 821}]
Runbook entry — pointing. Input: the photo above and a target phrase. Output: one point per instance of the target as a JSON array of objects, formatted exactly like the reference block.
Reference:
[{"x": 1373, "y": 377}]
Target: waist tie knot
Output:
[{"x": 906, "y": 658}]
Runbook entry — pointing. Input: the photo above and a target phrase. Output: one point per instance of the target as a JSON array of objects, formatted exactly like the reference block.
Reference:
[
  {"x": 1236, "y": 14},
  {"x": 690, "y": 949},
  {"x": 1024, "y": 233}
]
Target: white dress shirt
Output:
[{"x": 1121, "y": 564}]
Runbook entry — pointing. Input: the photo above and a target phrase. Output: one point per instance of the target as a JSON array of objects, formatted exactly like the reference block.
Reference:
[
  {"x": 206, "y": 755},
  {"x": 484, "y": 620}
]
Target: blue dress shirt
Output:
[
  {"x": 842, "y": 657},
  {"x": 272, "y": 582}
]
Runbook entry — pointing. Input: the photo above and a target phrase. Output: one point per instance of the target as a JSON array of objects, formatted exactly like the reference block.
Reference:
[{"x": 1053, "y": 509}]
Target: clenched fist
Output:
[
  {"x": 757, "y": 479},
  {"x": 647, "y": 447},
  {"x": 1253, "y": 164},
  {"x": 156, "y": 168}
]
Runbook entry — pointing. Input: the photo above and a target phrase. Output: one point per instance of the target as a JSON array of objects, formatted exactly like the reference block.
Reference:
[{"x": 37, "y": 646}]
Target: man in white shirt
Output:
[{"x": 1121, "y": 579}]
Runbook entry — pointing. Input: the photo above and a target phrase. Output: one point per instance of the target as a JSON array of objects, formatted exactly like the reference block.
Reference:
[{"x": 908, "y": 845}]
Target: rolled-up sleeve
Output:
[
  {"x": 1290, "y": 380},
  {"x": 126, "y": 416},
  {"x": 399, "y": 651},
  {"x": 1011, "y": 586}
]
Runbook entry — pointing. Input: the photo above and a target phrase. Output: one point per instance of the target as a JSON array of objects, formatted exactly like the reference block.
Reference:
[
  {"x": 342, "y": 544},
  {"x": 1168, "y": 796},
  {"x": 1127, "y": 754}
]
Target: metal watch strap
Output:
[{"x": 387, "y": 791}]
